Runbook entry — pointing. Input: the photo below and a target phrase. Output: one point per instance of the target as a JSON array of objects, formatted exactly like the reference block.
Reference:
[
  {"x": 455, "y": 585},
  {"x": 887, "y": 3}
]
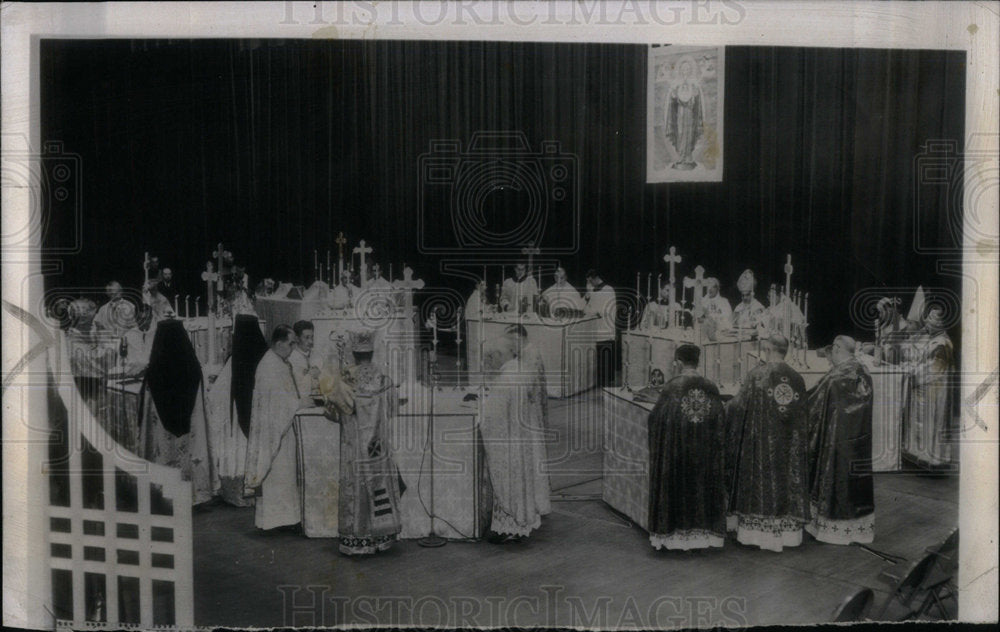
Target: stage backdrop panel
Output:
[{"x": 684, "y": 114}]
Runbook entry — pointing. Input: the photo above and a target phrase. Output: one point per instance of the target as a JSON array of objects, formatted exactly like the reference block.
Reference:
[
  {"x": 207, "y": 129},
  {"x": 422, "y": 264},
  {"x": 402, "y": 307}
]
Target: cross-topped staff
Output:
[
  {"x": 696, "y": 282},
  {"x": 672, "y": 258},
  {"x": 408, "y": 284},
  {"x": 340, "y": 241},
  {"x": 219, "y": 255},
  {"x": 363, "y": 250},
  {"x": 788, "y": 276},
  {"x": 210, "y": 276},
  {"x": 531, "y": 251}
]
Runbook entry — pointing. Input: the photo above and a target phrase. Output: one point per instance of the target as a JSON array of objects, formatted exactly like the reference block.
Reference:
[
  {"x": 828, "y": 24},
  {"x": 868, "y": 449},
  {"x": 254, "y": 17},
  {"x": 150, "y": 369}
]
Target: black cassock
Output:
[
  {"x": 687, "y": 492},
  {"x": 840, "y": 455}
]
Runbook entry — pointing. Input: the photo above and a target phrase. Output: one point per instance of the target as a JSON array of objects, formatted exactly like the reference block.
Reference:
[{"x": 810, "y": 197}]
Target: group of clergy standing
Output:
[{"x": 773, "y": 461}]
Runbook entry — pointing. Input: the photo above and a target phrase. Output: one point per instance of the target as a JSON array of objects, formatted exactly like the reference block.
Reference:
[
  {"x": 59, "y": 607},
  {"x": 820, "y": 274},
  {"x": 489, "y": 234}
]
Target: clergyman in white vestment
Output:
[{"x": 271, "y": 454}]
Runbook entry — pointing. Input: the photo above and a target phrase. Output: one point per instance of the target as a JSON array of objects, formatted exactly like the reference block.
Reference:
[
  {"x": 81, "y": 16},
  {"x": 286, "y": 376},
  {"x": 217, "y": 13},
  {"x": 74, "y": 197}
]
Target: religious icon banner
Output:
[{"x": 684, "y": 109}]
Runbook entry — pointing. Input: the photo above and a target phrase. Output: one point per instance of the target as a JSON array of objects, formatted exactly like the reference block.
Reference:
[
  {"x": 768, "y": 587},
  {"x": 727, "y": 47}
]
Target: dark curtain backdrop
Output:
[{"x": 274, "y": 146}]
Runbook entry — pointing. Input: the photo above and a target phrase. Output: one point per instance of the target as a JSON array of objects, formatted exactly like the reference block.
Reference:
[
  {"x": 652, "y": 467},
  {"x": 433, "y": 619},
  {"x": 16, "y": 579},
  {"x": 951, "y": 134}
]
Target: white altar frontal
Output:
[
  {"x": 567, "y": 346},
  {"x": 459, "y": 492}
]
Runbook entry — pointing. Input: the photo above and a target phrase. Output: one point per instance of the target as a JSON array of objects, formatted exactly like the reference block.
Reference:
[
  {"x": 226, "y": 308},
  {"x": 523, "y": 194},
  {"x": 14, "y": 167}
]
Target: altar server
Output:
[
  {"x": 766, "y": 455},
  {"x": 840, "y": 450},
  {"x": 271, "y": 466},
  {"x": 305, "y": 366},
  {"x": 687, "y": 491}
]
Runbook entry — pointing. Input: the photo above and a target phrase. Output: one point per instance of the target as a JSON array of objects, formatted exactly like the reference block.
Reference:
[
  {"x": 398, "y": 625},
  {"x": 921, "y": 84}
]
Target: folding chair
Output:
[
  {"x": 856, "y": 607},
  {"x": 940, "y": 581},
  {"x": 907, "y": 588}
]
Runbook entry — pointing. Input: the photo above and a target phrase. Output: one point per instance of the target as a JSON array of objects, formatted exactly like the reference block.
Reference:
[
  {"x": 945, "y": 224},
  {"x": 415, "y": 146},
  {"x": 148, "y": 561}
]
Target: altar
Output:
[
  {"x": 567, "y": 346},
  {"x": 724, "y": 360},
  {"x": 459, "y": 493},
  {"x": 287, "y": 311}
]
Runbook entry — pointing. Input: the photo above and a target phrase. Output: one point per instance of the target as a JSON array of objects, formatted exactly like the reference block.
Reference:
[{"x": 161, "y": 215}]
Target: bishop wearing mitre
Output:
[{"x": 749, "y": 313}]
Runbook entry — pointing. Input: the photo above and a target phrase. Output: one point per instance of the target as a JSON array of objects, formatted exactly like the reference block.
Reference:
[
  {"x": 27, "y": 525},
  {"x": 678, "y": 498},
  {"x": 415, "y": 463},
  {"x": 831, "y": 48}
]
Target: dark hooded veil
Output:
[
  {"x": 173, "y": 377},
  {"x": 249, "y": 347}
]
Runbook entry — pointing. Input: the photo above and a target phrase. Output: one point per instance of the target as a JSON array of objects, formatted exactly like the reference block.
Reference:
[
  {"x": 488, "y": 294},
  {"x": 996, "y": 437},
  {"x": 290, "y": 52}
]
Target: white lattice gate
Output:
[{"x": 119, "y": 527}]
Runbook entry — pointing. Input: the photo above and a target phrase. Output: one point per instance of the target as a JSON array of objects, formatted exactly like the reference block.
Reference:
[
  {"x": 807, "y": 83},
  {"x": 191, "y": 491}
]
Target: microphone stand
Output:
[{"x": 433, "y": 540}]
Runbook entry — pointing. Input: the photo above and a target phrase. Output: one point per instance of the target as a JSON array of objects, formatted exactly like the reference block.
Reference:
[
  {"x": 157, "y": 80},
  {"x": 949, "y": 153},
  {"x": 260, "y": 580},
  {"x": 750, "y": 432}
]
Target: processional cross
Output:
[
  {"x": 210, "y": 277},
  {"x": 362, "y": 249},
  {"x": 696, "y": 282},
  {"x": 672, "y": 258},
  {"x": 531, "y": 250},
  {"x": 408, "y": 284},
  {"x": 220, "y": 255},
  {"x": 340, "y": 255}
]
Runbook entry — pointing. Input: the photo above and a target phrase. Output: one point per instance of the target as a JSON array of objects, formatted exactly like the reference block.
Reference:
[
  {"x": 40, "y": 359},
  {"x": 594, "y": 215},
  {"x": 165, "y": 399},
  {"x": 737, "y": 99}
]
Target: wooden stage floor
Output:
[{"x": 587, "y": 565}]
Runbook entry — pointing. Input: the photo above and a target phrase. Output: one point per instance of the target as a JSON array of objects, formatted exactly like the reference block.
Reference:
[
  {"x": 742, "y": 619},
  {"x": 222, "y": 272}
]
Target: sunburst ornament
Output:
[{"x": 695, "y": 405}]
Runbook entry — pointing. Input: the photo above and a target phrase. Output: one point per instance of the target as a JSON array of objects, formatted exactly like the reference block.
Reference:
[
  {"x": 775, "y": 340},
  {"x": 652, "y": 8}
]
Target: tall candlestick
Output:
[
  {"x": 649, "y": 282},
  {"x": 197, "y": 309},
  {"x": 328, "y": 259},
  {"x": 187, "y": 305},
  {"x": 177, "y": 309},
  {"x": 638, "y": 291},
  {"x": 659, "y": 284}
]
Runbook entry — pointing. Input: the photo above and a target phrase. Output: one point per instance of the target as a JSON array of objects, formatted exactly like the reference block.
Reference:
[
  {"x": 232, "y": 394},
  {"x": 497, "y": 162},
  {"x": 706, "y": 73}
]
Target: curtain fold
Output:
[{"x": 273, "y": 147}]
